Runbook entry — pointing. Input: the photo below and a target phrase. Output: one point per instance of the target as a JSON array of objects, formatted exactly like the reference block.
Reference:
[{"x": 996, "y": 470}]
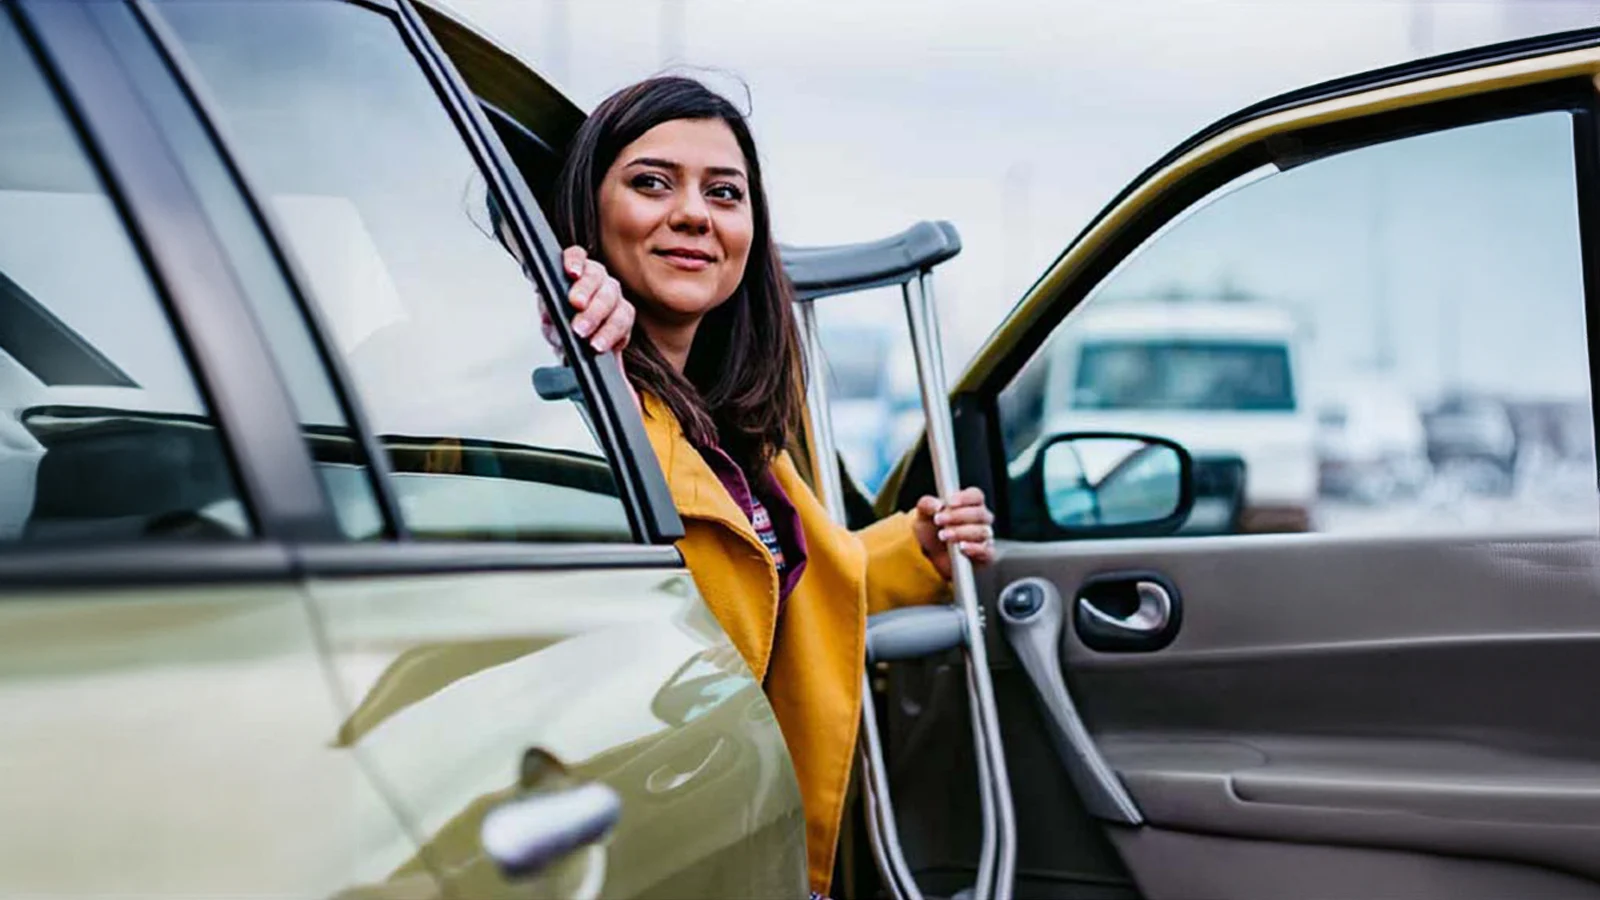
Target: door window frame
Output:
[{"x": 975, "y": 402}]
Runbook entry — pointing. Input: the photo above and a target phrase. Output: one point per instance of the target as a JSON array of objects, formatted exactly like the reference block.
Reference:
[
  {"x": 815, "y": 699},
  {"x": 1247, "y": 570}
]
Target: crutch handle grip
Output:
[
  {"x": 914, "y": 632},
  {"x": 821, "y": 271}
]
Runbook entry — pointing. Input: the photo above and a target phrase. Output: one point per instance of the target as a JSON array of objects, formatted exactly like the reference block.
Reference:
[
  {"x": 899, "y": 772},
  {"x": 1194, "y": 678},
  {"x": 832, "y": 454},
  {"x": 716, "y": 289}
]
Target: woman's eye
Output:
[
  {"x": 727, "y": 192},
  {"x": 648, "y": 181}
]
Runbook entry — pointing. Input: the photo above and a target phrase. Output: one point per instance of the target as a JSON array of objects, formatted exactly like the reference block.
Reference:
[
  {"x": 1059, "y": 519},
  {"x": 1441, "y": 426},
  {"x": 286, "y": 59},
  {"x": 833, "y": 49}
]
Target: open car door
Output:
[{"x": 1379, "y": 679}]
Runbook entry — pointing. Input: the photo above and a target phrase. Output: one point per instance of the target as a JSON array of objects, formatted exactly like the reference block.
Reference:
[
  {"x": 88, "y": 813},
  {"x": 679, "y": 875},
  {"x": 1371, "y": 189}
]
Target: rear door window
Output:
[{"x": 404, "y": 246}]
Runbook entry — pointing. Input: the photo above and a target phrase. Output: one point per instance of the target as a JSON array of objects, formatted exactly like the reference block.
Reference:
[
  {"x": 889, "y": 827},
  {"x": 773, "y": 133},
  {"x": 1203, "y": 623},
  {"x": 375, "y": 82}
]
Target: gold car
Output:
[{"x": 323, "y": 574}]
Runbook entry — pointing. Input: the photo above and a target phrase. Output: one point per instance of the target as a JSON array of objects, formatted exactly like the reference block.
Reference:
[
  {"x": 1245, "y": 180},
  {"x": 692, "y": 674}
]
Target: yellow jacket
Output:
[{"x": 813, "y": 669}]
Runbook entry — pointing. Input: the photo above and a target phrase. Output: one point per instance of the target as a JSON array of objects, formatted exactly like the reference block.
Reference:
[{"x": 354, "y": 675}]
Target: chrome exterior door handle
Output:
[{"x": 525, "y": 835}]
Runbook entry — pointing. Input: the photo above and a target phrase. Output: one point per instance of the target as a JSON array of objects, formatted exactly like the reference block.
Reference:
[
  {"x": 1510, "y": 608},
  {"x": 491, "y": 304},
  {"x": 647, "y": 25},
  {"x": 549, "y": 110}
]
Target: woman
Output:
[{"x": 662, "y": 206}]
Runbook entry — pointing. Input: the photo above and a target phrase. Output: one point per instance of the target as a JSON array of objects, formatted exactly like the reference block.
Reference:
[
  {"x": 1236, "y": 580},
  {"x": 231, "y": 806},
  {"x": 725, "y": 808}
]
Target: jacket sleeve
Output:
[{"x": 898, "y": 574}]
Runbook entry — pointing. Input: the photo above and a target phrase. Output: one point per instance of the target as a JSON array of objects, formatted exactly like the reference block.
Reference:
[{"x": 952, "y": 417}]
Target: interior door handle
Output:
[
  {"x": 525, "y": 835},
  {"x": 1127, "y": 612},
  {"x": 1149, "y": 617}
]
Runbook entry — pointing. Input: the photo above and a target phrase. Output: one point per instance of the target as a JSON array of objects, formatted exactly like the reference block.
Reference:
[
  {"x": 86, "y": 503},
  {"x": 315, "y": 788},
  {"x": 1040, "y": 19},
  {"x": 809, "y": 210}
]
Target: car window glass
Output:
[
  {"x": 390, "y": 218},
  {"x": 105, "y": 435},
  {"x": 1387, "y": 339},
  {"x": 342, "y": 462}
]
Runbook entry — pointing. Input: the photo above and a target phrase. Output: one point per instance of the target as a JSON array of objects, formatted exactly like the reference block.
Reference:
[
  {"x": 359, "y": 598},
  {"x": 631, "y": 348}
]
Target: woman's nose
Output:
[{"x": 691, "y": 214}]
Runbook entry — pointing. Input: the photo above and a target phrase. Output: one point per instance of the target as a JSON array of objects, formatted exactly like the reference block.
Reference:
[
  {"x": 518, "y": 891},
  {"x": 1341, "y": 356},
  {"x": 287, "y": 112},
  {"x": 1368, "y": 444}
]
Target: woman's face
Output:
[{"x": 675, "y": 218}]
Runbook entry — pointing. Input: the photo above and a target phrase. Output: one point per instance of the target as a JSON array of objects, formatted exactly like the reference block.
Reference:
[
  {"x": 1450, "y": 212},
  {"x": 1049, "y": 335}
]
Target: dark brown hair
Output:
[{"x": 741, "y": 387}]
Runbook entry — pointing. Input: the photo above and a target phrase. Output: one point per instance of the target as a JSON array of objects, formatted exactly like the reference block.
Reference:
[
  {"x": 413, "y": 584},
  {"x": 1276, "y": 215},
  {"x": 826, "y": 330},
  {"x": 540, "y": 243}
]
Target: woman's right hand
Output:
[{"x": 604, "y": 316}]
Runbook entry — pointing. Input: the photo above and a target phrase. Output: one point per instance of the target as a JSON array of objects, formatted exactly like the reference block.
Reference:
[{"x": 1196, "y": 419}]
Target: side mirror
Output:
[
  {"x": 1219, "y": 482},
  {"x": 1109, "y": 485}
]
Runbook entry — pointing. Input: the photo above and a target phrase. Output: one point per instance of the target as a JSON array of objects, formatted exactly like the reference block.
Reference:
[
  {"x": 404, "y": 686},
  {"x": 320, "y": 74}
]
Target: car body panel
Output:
[
  {"x": 180, "y": 741},
  {"x": 621, "y": 676}
]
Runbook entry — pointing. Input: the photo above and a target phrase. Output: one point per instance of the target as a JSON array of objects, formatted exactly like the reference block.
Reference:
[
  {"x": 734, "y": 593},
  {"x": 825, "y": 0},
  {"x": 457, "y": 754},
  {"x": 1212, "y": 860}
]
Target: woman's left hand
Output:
[{"x": 965, "y": 520}]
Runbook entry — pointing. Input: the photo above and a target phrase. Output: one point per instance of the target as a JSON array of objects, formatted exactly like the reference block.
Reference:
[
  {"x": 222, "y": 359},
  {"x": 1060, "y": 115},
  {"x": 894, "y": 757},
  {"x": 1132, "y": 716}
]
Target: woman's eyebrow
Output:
[
  {"x": 658, "y": 163},
  {"x": 655, "y": 163}
]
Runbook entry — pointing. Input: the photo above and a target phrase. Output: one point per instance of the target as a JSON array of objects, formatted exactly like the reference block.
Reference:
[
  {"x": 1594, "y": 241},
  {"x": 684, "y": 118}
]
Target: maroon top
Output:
[{"x": 774, "y": 518}]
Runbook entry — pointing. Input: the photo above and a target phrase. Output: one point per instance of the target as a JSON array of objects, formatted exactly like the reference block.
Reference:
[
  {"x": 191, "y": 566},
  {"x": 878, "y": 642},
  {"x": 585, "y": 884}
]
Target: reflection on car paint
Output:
[{"x": 685, "y": 727}]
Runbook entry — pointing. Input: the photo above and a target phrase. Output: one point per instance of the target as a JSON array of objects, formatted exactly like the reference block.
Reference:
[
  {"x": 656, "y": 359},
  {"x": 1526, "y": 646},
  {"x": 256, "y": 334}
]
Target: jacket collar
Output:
[{"x": 695, "y": 488}]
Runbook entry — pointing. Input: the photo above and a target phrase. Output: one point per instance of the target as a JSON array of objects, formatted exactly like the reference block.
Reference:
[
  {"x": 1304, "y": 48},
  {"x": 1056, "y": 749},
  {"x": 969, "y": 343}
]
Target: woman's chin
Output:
[{"x": 678, "y": 302}]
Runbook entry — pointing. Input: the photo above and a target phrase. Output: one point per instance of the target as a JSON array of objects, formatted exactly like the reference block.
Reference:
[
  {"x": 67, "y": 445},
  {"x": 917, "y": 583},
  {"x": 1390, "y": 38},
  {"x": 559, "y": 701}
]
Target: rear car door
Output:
[
  {"x": 1367, "y": 309},
  {"x": 168, "y": 712},
  {"x": 506, "y": 618}
]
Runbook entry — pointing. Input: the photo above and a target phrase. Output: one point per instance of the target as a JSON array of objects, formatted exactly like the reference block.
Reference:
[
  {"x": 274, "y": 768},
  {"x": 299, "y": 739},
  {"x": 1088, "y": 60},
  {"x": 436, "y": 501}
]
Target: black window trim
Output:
[
  {"x": 496, "y": 114},
  {"x": 1586, "y": 160},
  {"x": 352, "y": 559},
  {"x": 1572, "y": 95}
]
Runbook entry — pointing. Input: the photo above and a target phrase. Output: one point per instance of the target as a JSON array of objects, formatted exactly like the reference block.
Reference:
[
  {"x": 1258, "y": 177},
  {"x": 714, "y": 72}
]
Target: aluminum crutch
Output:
[{"x": 907, "y": 260}]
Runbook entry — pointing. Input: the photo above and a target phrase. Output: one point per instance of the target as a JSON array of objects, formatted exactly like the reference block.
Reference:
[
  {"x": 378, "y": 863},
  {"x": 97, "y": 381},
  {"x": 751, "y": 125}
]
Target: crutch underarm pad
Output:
[
  {"x": 914, "y": 632},
  {"x": 820, "y": 271}
]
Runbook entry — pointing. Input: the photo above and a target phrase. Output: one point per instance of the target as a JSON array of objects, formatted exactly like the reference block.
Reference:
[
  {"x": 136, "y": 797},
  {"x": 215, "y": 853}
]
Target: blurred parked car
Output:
[
  {"x": 1371, "y": 445},
  {"x": 1473, "y": 437}
]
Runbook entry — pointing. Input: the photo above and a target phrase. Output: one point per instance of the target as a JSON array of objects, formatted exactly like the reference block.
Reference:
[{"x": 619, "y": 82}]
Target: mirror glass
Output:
[{"x": 1100, "y": 482}]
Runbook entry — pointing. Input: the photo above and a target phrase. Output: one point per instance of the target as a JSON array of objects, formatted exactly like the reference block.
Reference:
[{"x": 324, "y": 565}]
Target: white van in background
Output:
[{"x": 1220, "y": 378}]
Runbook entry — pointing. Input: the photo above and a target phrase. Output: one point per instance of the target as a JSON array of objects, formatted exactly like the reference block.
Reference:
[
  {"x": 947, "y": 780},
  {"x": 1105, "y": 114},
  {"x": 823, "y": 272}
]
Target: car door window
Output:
[
  {"x": 400, "y": 238},
  {"x": 1387, "y": 338},
  {"x": 104, "y": 434}
]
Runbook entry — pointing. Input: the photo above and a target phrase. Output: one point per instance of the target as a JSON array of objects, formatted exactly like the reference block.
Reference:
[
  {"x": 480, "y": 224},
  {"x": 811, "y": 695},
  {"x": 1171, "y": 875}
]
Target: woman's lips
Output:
[{"x": 686, "y": 261}]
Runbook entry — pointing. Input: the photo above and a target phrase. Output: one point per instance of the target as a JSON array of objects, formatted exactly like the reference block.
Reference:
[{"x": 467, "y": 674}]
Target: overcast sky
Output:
[{"x": 1015, "y": 120}]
